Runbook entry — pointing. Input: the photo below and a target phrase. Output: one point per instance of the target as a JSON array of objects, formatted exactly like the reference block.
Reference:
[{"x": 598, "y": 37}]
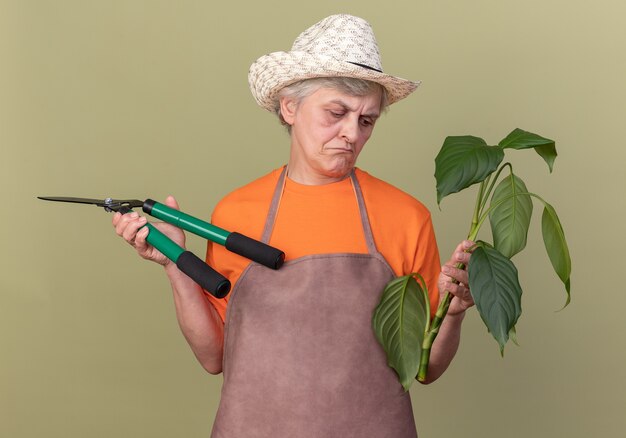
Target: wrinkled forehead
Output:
[{"x": 370, "y": 101}]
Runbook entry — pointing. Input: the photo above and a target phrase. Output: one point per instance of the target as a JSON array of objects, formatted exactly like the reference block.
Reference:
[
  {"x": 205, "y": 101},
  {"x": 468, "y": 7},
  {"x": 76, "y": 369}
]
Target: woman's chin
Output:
[
  {"x": 338, "y": 173},
  {"x": 339, "y": 168}
]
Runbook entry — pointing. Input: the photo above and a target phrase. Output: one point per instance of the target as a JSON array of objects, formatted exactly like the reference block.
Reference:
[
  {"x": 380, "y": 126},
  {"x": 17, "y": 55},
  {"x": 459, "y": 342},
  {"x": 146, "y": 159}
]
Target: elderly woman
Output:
[{"x": 296, "y": 345}]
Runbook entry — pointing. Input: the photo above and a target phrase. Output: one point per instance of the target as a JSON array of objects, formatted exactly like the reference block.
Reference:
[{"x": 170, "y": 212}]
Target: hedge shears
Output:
[{"x": 209, "y": 279}]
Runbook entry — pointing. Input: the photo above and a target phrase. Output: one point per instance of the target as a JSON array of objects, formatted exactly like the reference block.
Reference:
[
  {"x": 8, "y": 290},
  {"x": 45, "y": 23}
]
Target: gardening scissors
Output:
[{"x": 186, "y": 261}]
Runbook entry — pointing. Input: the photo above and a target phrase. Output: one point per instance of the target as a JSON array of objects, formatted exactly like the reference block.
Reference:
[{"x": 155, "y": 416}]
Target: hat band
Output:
[{"x": 366, "y": 66}]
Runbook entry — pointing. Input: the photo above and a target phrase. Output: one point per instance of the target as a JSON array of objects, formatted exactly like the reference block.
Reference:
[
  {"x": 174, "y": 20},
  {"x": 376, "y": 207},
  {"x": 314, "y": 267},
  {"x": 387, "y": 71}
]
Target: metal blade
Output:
[
  {"x": 98, "y": 202},
  {"x": 108, "y": 203}
]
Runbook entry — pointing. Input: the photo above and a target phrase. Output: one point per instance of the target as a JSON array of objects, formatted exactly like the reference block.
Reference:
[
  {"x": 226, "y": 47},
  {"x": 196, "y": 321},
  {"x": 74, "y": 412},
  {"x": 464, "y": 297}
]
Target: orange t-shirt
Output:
[{"x": 325, "y": 219}]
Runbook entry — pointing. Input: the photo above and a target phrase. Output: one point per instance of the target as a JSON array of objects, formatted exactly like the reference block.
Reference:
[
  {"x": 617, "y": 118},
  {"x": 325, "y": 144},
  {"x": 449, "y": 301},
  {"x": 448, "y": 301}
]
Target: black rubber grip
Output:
[
  {"x": 207, "y": 277},
  {"x": 255, "y": 250},
  {"x": 148, "y": 204}
]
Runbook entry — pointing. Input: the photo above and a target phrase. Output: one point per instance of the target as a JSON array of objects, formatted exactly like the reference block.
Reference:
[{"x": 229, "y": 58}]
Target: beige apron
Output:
[{"x": 300, "y": 356}]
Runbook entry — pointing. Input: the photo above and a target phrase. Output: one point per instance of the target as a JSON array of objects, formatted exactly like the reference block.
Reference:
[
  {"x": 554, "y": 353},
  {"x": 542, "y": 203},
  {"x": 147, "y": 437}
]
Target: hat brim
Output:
[{"x": 274, "y": 71}]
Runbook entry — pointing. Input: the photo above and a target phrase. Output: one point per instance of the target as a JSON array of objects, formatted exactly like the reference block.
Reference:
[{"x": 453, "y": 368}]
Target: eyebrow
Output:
[{"x": 347, "y": 107}]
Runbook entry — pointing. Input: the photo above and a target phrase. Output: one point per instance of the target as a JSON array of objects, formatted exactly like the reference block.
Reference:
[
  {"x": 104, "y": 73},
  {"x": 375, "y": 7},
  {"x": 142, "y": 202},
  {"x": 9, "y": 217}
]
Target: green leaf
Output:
[
  {"x": 548, "y": 153},
  {"x": 556, "y": 246},
  {"x": 496, "y": 291},
  {"x": 520, "y": 139},
  {"x": 400, "y": 321},
  {"x": 513, "y": 336},
  {"x": 463, "y": 161},
  {"x": 510, "y": 220}
]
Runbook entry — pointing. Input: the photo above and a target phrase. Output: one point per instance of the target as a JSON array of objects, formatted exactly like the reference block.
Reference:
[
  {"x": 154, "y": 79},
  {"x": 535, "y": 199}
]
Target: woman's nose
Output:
[{"x": 350, "y": 130}]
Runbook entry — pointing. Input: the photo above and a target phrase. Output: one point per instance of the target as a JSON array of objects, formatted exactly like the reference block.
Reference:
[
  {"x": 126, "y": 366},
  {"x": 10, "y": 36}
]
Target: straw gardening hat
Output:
[{"x": 339, "y": 45}]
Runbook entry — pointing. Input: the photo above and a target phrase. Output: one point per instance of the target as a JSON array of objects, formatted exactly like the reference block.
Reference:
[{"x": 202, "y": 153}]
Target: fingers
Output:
[
  {"x": 455, "y": 279},
  {"x": 131, "y": 227},
  {"x": 461, "y": 291},
  {"x": 462, "y": 252},
  {"x": 116, "y": 218},
  {"x": 463, "y": 298},
  {"x": 460, "y": 256},
  {"x": 140, "y": 240},
  {"x": 454, "y": 273},
  {"x": 170, "y": 201},
  {"x": 127, "y": 225}
]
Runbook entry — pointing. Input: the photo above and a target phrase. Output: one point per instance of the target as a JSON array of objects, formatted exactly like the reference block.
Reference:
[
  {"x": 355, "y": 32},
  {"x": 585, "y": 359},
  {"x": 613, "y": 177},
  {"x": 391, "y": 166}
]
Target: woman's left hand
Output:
[{"x": 462, "y": 299}]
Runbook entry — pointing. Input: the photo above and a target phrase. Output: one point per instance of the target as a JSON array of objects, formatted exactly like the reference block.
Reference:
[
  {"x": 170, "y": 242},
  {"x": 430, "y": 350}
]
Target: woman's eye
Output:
[
  {"x": 336, "y": 114},
  {"x": 366, "y": 122}
]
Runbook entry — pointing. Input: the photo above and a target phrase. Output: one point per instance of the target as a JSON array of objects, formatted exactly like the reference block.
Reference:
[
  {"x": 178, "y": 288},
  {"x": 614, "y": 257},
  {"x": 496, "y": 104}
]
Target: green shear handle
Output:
[
  {"x": 207, "y": 277},
  {"x": 234, "y": 242}
]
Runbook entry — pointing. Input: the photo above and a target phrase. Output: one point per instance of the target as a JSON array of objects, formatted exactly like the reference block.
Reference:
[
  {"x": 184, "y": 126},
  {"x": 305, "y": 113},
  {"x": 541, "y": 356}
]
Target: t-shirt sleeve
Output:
[
  {"x": 212, "y": 260},
  {"x": 227, "y": 263},
  {"x": 426, "y": 261}
]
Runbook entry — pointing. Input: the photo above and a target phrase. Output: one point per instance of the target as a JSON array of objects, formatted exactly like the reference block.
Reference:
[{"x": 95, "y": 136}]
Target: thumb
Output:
[{"x": 170, "y": 201}]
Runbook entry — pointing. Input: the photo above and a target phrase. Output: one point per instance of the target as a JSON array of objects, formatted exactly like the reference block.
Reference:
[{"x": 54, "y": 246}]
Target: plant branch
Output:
[
  {"x": 485, "y": 205},
  {"x": 432, "y": 333},
  {"x": 442, "y": 310},
  {"x": 493, "y": 183},
  {"x": 479, "y": 200}
]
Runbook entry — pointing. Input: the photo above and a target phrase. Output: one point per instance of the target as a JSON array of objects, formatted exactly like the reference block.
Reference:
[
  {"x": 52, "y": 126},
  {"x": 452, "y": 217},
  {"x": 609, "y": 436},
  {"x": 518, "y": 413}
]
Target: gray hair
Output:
[{"x": 351, "y": 86}]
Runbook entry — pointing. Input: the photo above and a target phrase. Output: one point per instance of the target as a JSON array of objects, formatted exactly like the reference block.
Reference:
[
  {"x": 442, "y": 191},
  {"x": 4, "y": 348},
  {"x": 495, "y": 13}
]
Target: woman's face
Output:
[{"x": 328, "y": 131}]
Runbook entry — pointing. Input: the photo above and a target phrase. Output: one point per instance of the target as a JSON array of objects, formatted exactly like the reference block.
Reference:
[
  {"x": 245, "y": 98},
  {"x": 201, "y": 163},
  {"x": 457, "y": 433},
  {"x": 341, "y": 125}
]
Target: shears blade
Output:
[{"x": 108, "y": 203}]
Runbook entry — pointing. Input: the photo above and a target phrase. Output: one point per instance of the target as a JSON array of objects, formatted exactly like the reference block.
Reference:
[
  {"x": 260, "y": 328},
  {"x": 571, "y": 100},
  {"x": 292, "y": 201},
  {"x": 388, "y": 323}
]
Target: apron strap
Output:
[
  {"x": 271, "y": 214},
  {"x": 278, "y": 192},
  {"x": 365, "y": 222}
]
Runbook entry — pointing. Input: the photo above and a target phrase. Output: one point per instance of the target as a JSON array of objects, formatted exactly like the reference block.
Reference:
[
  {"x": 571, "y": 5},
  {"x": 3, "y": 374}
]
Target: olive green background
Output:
[{"x": 146, "y": 98}]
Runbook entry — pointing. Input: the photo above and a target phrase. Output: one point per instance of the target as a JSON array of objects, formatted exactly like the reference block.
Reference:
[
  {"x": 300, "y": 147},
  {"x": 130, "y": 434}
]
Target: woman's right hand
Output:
[{"x": 128, "y": 226}]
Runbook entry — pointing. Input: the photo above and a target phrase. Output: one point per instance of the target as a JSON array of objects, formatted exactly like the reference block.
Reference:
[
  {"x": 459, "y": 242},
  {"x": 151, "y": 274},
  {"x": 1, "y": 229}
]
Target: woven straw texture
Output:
[{"x": 339, "y": 45}]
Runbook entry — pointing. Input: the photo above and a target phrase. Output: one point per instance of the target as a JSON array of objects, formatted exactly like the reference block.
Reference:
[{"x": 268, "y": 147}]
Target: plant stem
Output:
[
  {"x": 431, "y": 335},
  {"x": 427, "y": 345},
  {"x": 479, "y": 203},
  {"x": 493, "y": 183},
  {"x": 444, "y": 305}
]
